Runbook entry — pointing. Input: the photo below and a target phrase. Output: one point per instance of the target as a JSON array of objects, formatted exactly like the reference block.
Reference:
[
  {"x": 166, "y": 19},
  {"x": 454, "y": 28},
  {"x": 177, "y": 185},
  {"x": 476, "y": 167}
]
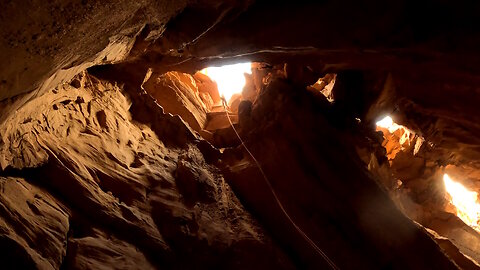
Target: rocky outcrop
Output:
[
  {"x": 178, "y": 94},
  {"x": 333, "y": 201},
  {"x": 207, "y": 86}
]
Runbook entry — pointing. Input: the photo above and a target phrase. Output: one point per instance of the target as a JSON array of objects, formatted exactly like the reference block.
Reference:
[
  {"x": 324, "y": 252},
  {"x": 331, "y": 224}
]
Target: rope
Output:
[{"x": 279, "y": 203}]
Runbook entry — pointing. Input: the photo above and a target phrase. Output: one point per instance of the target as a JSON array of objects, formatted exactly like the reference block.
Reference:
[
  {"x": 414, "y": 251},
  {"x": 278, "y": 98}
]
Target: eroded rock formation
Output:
[
  {"x": 116, "y": 153},
  {"x": 120, "y": 191}
]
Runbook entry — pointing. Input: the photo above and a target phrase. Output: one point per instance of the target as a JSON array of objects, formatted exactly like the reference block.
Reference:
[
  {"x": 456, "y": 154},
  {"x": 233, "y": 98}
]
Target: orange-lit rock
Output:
[
  {"x": 178, "y": 94},
  {"x": 34, "y": 226},
  {"x": 234, "y": 101},
  {"x": 114, "y": 173},
  {"x": 206, "y": 85},
  {"x": 325, "y": 86},
  {"x": 250, "y": 91}
]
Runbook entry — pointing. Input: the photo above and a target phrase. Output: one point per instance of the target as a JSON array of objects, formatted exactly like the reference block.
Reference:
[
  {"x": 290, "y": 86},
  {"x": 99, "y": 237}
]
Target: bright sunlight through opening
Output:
[
  {"x": 387, "y": 123},
  {"x": 468, "y": 208},
  {"x": 230, "y": 79}
]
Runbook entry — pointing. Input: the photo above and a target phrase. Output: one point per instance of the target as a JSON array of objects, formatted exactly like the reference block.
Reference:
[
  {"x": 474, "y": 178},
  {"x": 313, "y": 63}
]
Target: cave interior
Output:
[{"x": 239, "y": 134}]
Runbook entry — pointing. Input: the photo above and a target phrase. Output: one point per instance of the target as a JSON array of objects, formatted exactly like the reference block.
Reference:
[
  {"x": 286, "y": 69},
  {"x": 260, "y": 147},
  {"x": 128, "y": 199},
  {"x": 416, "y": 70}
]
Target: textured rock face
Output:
[
  {"x": 34, "y": 226},
  {"x": 66, "y": 34},
  {"x": 96, "y": 174},
  {"x": 122, "y": 191},
  {"x": 179, "y": 94},
  {"x": 102, "y": 252}
]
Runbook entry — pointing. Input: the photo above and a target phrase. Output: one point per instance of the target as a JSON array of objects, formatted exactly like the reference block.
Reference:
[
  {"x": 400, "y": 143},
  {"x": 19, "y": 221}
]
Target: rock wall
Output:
[
  {"x": 94, "y": 188},
  {"x": 323, "y": 186}
]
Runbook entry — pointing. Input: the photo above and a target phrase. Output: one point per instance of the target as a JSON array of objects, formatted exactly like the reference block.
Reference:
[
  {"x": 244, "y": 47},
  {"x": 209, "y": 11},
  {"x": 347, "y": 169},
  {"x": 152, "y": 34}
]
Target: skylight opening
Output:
[{"x": 230, "y": 79}]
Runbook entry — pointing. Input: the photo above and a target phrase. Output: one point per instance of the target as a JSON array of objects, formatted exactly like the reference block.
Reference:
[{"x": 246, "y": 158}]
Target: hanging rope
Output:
[{"x": 279, "y": 203}]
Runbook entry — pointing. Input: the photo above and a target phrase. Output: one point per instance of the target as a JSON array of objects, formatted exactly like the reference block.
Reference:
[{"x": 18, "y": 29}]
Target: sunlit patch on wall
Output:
[
  {"x": 325, "y": 86},
  {"x": 392, "y": 127},
  {"x": 397, "y": 137},
  {"x": 465, "y": 202}
]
